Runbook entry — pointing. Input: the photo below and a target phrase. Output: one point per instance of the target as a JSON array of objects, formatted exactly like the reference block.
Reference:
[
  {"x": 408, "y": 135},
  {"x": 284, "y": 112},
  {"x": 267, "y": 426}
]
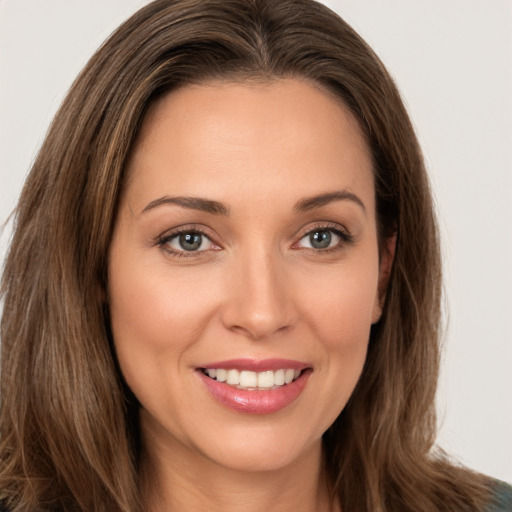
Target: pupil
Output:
[
  {"x": 320, "y": 239},
  {"x": 190, "y": 241}
]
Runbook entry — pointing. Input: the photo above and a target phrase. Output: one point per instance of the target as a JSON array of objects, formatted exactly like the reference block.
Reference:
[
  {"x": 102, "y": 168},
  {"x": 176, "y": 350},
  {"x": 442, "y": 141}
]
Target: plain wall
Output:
[{"x": 452, "y": 61}]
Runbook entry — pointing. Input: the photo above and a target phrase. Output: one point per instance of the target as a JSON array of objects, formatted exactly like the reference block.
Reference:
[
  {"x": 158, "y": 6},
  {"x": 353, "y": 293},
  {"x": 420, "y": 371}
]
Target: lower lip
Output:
[{"x": 258, "y": 401}]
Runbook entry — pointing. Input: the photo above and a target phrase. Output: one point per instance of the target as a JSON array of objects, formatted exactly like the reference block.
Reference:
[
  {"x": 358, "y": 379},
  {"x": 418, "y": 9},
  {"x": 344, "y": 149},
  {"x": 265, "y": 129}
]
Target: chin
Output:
[
  {"x": 264, "y": 448},
  {"x": 263, "y": 457}
]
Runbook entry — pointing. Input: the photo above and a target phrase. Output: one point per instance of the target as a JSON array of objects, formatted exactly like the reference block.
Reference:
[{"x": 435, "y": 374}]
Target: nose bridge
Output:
[{"x": 259, "y": 302}]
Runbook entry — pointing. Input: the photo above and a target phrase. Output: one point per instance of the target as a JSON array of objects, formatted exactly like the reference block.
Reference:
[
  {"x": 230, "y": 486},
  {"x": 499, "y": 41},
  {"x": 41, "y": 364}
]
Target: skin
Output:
[{"x": 256, "y": 288}]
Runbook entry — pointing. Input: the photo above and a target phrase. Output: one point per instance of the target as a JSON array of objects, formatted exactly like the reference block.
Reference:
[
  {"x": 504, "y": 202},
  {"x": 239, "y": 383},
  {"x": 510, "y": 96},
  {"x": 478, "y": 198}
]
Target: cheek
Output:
[
  {"x": 343, "y": 324},
  {"x": 339, "y": 314},
  {"x": 341, "y": 306},
  {"x": 155, "y": 316},
  {"x": 157, "y": 307}
]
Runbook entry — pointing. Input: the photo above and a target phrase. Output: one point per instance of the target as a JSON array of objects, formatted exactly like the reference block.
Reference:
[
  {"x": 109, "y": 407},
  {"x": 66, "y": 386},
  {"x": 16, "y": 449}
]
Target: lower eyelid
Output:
[
  {"x": 175, "y": 237},
  {"x": 344, "y": 235},
  {"x": 337, "y": 240},
  {"x": 164, "y": 241}
]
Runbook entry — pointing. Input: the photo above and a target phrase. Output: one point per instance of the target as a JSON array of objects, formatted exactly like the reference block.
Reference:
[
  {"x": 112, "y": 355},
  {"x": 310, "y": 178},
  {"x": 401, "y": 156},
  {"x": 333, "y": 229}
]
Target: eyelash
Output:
[
  {"x": 345, "y": 237},
  {"x": 163, "y": 240}
]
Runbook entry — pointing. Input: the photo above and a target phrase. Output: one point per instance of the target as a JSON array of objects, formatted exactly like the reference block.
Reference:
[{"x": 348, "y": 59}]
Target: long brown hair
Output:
[{"x": 68, "y": 425}]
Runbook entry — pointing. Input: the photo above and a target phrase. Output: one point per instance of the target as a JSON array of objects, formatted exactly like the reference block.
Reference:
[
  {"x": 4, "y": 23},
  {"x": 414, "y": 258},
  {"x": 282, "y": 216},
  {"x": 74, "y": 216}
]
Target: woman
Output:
[{"x": 223, "y": 286}]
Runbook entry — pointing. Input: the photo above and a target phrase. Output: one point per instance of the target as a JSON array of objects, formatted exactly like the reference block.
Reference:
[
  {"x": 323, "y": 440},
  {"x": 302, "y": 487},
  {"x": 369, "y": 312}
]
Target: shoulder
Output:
[{"x": 501, "y": 500}]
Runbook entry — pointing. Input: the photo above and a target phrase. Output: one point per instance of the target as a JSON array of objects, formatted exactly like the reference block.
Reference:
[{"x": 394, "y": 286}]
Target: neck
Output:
[{"x": 175, "y": 478}]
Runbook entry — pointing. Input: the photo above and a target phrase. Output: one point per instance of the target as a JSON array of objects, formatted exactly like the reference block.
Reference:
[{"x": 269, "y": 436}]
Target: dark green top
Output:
[{"x": 502, "y": 501}]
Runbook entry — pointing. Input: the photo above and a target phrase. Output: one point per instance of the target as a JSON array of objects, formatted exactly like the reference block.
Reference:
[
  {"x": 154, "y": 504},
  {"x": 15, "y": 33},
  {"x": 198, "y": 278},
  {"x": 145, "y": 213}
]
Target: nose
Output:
[{"x": 260, "y": 301}]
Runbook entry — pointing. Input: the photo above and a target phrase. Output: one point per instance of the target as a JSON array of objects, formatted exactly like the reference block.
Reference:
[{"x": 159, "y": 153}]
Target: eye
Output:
[
  {"x": 186, "y": 242},
  {"x": 323, "y": 238}
]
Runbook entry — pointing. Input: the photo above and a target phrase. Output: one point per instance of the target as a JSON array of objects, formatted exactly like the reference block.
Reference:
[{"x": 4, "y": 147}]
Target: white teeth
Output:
[
  {"x": 279, "y": 378},
  {"x": 248, "y": 379},
  {"x": 233, "y": 377},
  {"x": 266, "y": 379},
  {"x": 288, "y": 376},
  {"x": 253, "y": 380},
  {"x": 222, "y": 375}
]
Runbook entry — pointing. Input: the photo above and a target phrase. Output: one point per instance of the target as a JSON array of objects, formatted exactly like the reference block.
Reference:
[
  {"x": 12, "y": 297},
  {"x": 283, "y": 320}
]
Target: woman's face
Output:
[{"x": 245, "y": 254}]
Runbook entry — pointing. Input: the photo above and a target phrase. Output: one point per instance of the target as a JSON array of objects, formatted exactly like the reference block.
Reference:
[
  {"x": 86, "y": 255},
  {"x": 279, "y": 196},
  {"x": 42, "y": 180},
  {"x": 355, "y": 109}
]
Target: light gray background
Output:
[{"x": 452, "y": 60}]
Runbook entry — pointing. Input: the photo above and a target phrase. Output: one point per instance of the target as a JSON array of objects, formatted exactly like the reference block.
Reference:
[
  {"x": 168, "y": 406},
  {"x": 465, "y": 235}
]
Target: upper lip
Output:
[{"x": 255, "y": 365}]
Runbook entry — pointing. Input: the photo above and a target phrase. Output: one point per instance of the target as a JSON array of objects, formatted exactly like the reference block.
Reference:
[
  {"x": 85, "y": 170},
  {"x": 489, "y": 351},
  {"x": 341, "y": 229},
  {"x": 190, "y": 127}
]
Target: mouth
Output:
[
  {"x": 251, "y": 380},
  {"x": 255, "y": 387}
]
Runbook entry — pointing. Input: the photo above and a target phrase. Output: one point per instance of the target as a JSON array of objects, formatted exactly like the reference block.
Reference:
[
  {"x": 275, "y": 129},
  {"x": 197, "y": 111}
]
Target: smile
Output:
[
  {"x": 251, "y": 380},
  {"x": 255, "y": 387}
]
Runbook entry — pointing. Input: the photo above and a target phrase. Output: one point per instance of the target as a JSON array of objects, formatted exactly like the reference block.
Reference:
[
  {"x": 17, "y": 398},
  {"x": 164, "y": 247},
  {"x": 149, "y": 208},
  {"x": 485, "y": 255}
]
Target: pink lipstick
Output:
[{"x": 255, "y": 387}]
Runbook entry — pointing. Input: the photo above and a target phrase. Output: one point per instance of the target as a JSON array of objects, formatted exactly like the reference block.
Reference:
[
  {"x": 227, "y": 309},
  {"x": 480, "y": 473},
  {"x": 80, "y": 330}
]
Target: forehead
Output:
[{"x": 207, "y": 139}]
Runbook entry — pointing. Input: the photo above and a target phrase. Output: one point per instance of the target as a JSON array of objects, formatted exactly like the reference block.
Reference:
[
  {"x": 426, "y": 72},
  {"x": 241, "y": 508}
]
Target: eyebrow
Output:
[
  {"x": 310, "y": 203},
  {"x": 216, "y": 208},
  {"x": 193, "y": 203}
]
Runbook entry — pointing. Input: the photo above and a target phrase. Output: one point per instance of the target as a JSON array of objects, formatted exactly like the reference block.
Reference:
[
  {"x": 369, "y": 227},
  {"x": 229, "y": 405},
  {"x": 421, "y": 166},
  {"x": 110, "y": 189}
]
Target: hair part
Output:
[{"x": 69, "y": 437}]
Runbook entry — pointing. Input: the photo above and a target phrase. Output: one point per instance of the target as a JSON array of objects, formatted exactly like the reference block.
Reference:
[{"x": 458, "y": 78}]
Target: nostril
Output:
[{"x": 259, "y": 331}]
